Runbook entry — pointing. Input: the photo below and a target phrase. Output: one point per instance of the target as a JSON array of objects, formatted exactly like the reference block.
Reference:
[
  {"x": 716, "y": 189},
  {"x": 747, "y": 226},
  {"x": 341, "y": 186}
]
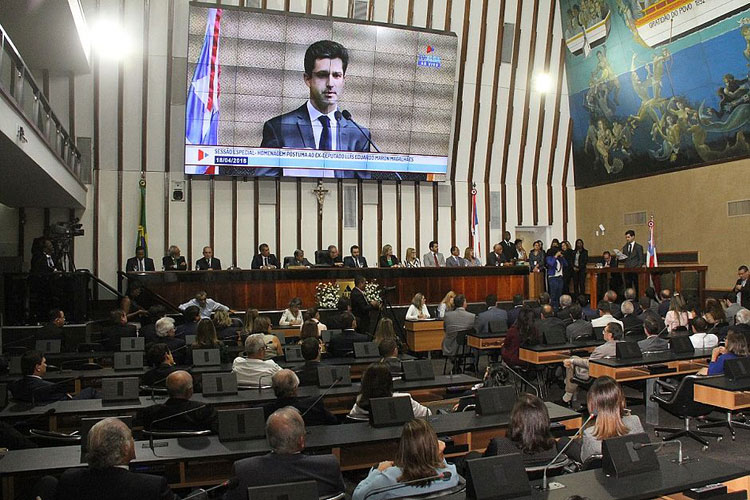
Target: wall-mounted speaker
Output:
[{"x": 178, "y": 191}]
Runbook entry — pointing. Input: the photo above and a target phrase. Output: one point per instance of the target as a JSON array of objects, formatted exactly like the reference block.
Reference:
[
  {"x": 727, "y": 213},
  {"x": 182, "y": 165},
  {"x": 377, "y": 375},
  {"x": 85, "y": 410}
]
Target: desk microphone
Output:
[
  {"x": 579, "y": 431},
  {"x": 443, "y": 476},
  {"x": 322, "y": 395},
  {"x": 164, "y": 419},
  {"x": 229, "y": 484},
  {"x": 348, "y": 117},
  {"x": 536, "y": 390},
  {"x": 48, "y": 387},
  {"x": 660, "y": 444}
]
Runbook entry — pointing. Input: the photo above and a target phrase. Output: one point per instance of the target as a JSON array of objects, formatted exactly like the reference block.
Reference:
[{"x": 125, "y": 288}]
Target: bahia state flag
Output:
[{"x": 202, "y": 108}]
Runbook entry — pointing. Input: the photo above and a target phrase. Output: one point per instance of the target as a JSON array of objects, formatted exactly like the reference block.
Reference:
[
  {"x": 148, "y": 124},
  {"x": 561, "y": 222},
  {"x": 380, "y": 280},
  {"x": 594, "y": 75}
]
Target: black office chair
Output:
[
  {"x": 591, "y": 463},
  {"x": 288, "y": 261},
  {"x": 459, "y": 360},
  {"x": 45, "y": 488},
  {"x": 319, "y": 255},
  {"x": 634, "y": 334},
  {"x": 681, "y": 403},
  {"x": 53, "y": 438}
]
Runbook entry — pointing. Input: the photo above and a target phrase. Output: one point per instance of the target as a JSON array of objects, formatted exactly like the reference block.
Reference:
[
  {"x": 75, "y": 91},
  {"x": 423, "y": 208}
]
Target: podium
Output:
[{"x": 424, "y": 336}]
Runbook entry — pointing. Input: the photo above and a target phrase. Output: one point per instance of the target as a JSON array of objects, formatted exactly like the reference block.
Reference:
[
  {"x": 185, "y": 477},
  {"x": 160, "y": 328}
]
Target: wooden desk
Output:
[
  {"x": 273, "y": 289},
  {"x": 723, "y": 393},
  {"x": 485, "y": 342},
  {"x": 644, "y": 273},
  {"x": 424, "y": 336},
  {"x": 549, "y": 354}
]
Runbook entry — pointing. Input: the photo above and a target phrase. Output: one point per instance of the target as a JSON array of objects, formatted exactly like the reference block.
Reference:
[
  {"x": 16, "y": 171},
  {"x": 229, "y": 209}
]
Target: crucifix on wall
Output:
[{"x": 320, "y": 193}]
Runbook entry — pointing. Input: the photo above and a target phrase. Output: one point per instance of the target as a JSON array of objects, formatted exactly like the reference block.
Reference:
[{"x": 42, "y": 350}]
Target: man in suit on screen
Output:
[{"x": 318, "y": 123}]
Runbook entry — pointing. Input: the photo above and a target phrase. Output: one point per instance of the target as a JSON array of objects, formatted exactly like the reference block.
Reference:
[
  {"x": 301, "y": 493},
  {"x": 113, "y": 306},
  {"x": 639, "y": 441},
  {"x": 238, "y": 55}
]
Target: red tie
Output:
[{"x": 436, "y": 262}]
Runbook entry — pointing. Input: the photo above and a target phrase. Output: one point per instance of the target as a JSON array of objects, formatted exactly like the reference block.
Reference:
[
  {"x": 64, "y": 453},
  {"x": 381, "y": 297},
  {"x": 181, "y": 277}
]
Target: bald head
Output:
[
  {"x": 180, "y": 385},
  {"x": 547, "y": 311},
  {"x": 110, "y": 443},
  {"x": 285, "y": 383},
  {"x": 285, "y": 431}
]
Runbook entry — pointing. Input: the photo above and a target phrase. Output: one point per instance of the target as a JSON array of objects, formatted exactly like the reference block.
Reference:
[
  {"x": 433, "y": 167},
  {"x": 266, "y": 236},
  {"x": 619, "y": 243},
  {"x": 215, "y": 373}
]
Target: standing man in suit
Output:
[
  {"x": 318, "y": 123},
  {"x": 355, "y": 259},
  {"x": 110, "y": 450},
  {"x": 42, "y": 261},
  {"x": 455, "y": 259},
  {"x": 457, "y": 320},
  {"x": 361, "y": 307},
  {"x": 508, "y": 247},
  {"x": 742, "y": 287},
  {"x": 633, "y": 257},
  {"x": 286, "y": 463},
  {"x": 173, "y": 261},
  {"x": 264, "y": 259},
  {"x": 140, "y": 262},
  {"x": 496, "y": 256},
  {"x": 208, "y": 262},
  {"x": 433, "y": 258}
]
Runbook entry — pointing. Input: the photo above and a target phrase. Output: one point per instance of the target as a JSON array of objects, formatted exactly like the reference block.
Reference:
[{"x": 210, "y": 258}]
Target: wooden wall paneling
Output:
[
  {"x": 308, "y": 7},
  {"x": 460, "y": 89},
  {"x": 417, "y": 219},
  {"x": 211, "y": 212},
  {"x": 509, "y": 113},
  {"x": 278, "y": 214},
  {"x": 435, "y": 212},
  {"x": 477, "y": 105},
  {"x": 492, "y": 124},
  {"x": 370, "y": 10},
  {"x": 430, "y": 8},
  {"x": 256, "y": 236},
  {"x": 144, "y": 87},
  {"x": 390, "y": 11},
  {"x": 360, "y": 214},
  {"x": 555, "y": 132},
  {"x": 168, "y": 122},
  {"x": 120, "y": 140},
  {"x": 410, "y": 14},
  {"x": 329, "y": 12},
  {"x": 235, "y": 215},
  {"x": 340, "y": 208},
  {"x": 448, "y": 14},
  {"x": 380, "y": 216},
  {"x": 189, "y": 189},
  {"x": 540, "y": 121},
  {"x": 566, "y": 164},
  {"x": 299, "y": 213},
  {"x": 526, "y": 111},
  {"x": 398, "y": 221}
]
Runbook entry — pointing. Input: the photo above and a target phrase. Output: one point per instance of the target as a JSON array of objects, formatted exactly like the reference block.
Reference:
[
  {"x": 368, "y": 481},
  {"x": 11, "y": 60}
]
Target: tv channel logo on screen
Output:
[{"x": 428, "y": 59}]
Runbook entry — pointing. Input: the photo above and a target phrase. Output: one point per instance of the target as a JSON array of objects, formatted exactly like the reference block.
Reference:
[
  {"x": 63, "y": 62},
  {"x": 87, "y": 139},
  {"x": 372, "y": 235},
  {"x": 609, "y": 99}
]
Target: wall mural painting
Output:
[{"x": 656, "y": 85}]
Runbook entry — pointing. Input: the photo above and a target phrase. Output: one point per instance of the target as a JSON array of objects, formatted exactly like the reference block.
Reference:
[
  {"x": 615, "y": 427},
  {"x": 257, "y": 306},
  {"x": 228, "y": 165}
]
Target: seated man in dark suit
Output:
[
  {"x": 493, "y": 313},
  {"x": 264, "y": 259},
  {"x": 117, "y": 329},
  {"x": 334, "y": 322},
  {"x": 496, "y": 257},
  {"x": 652, "y": 342},
  {"x": 343, "y": 343},
  {"x": 741, "y": 324},
  {"x": 630, "y": 320},
  {"x": 191, "y": 316},
  {"x": 666, "y": 298},
  {"x": 587, "y": 312},
  {"x": 332, "y": 258},
  {"x": 160, "y": 358},
  {"x": 308, "y": 374},
  {"x": 140, "y": 262},
  {"x": 110, "y": 449},
  {"x": 564, "y": 312},
  {"x": 318, "y": 123},
  {"x": 285, "y": 431},
  {"x": 355, "y": 259},
  {"x": 208, "y": 262},
  {"x": 180, "y": 390},
  {"x": 578, "y": 327},
  {"x": 285, "y": 384},
  {"x": 54, "y": 329},
  {"x": 549, "y": 323},
  {"x": 517, "y": 306},
  {"x": 298, "y": 260},
  {"x": 31, "y": 388},
  {"x": 388, "y": 350},
  {"x": 173, "y": 261}
]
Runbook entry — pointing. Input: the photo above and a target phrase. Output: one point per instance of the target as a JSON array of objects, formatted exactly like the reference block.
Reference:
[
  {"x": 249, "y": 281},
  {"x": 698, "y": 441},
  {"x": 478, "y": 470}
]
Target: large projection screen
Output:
[{"x": 251, "y": 109}]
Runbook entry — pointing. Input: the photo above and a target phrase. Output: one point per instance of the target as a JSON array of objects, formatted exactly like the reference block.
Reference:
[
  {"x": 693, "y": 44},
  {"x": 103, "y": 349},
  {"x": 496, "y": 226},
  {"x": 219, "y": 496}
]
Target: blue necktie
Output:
[{"x": 325, "y": 136}]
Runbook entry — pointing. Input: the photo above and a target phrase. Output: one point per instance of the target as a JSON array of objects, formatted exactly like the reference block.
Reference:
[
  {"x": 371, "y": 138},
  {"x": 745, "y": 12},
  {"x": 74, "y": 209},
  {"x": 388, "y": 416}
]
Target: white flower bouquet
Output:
[{"x": 327, "y": 295}]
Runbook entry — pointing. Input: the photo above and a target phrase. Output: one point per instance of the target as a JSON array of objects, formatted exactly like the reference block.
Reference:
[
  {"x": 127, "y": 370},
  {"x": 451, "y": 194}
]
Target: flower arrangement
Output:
[
  {"x": 327, "y": 295},
  {"x": 372, "y": 291}
]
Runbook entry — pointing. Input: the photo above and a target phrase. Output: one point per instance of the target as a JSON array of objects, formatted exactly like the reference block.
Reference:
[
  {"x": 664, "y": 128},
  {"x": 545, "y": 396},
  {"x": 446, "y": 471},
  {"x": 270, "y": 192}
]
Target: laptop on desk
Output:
[
  {"x": 241, "y": 424},
  {"x": 219, "y": 384},
  {"x": 206, "y": 357},
  {"x": 128, "y": 360}
]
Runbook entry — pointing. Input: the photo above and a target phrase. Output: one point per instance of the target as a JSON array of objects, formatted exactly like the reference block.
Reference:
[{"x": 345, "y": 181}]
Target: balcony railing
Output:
[{"x": 17, "y": 84}]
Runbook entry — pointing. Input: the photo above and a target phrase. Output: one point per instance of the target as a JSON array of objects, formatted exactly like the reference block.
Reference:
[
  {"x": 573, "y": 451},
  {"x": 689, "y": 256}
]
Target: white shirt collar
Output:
[{"x": 315, "y": 114}]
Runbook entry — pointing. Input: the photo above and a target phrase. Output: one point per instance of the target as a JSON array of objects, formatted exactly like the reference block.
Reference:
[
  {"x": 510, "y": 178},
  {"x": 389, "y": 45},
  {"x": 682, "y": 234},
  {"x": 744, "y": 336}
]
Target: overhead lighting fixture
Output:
[
  {"x": 110, "y": 40},
  {"x": 543, "y": 82}
]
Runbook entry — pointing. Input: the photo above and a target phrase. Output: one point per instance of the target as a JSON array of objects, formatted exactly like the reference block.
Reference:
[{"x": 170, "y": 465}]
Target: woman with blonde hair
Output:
[
  {"x": 225, "y": 330},
  {"x": 205, "y": 338},
  {"x": 419, "y": 455},
  {"x": 387, "y": 259},
  {"x": 411, "y": 259},
  {"x": 606, "y": 400},
  {"x": 417, "y": 309},
  {"x": 471, "y": 260},
  {"x": 446, "y": 304},
  {"x": 677, "y": 315},
  {"x": 273, "y": 345},
  {"x": 385, "y": 331}
]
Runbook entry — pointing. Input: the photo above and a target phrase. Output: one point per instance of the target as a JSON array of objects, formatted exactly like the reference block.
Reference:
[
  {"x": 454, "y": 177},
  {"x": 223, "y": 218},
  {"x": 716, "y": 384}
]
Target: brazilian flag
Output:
[{"x": 142, "y": 239}]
